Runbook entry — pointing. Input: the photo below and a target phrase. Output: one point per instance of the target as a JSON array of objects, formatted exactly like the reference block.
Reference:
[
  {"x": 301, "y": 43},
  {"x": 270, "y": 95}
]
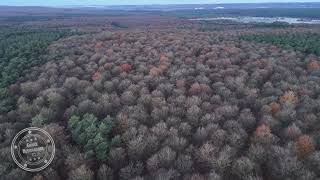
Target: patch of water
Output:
[{"x": 248, "y": 19}]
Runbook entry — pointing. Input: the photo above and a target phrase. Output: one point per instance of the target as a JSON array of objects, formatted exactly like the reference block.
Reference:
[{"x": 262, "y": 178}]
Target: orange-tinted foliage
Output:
[
  {"x": 96, "y": 76},
  {"x": 163, "y": 67},
  {"x": 38, "y": 177},
  {"x": 305, "y": 145},
  {"x": 188, "y": 61},
  {"x": 262, "y": 130},
  {"x": 205, "y": 88},
  {"x": 289, "y": 97},
  {"x": 180, "y": 83},
  {"x": 126, "y": 68},
  {"x": 195, "y": 88},
  {"x": 261, "y": 63},
  {"x": 231, "y": 50},
  {"x": 198, "y": 88},
  {"x": 107, "y": 66},
  {"x": 275, "y": 107},
  {"x": 313, "y": 65},
  {"x": 163, "y": 58},
  {"x": 98, "y": 45},
  {"x": 155, "y": 71}
]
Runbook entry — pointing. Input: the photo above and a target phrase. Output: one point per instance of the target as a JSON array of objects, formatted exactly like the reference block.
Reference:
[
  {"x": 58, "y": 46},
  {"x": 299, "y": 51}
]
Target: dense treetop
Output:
[
  {"x": 308, "y": 43},
  {"x": 165, "y": 103},
  {"x": 169, "y": 105}
]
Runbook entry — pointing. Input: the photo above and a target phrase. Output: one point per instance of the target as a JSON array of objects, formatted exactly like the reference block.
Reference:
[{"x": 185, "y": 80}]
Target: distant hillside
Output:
[
  {"x": 211, "y": 6},
  {"x": 312, "y": 13},
  {"x": 32, "y": 13},
  {"x": 170, "y": 7}
]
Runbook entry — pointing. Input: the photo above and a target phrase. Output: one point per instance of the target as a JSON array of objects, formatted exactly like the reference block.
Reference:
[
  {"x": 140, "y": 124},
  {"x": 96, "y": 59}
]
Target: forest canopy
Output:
[
  {"x": 150, "y": 96},
  {"x": 308, "y": 43},
  {"x": 21, "y": 49}
]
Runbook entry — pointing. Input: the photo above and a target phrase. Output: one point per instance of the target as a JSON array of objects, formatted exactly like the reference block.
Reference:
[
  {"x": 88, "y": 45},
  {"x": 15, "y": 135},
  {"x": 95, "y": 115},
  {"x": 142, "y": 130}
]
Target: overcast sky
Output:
[{"x": 130, "y": 2}]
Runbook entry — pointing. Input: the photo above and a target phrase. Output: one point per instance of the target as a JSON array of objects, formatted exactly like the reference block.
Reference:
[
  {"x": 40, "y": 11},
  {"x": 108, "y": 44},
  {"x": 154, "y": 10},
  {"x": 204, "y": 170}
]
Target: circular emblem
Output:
[{"x": 33, "y": 149}]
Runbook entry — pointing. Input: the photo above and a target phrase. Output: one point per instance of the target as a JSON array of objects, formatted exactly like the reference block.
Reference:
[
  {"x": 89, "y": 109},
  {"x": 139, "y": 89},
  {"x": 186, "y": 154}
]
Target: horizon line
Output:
[{"x": 52, "y": 6}]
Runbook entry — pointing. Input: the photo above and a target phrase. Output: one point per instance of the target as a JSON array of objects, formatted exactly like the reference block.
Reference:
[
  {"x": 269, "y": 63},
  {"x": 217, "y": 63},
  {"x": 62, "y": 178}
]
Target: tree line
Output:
[
  {"x": 308, "y": 43},
  {"x": 21, "y": 49}
]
